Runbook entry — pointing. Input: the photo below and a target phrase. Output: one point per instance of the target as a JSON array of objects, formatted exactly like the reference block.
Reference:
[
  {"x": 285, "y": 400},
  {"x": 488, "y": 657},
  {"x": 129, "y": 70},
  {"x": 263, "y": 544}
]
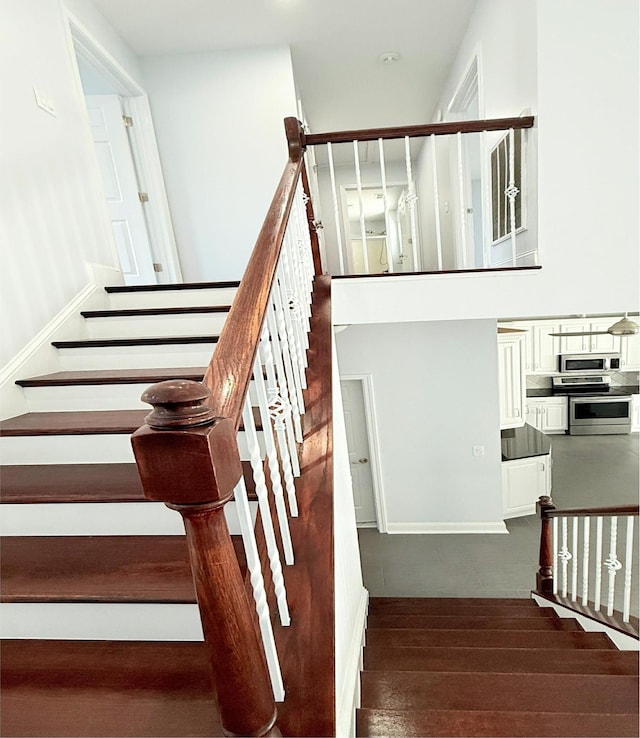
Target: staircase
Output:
[
  {"x": 491, "y": 667},
  {"x": 84, "y": 555}
]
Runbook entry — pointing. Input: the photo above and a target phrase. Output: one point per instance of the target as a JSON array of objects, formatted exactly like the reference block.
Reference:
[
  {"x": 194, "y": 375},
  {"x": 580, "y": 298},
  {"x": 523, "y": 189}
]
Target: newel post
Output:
[
  {"x": 544, "y": 577},
  {"x": 188, "y": 459}
]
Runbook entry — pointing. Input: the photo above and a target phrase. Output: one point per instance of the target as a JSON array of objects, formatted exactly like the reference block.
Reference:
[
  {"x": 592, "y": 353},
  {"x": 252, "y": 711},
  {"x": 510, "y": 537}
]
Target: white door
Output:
[
  {"x": 120, "y": 185},
  {"x": 358, "y": 444}
]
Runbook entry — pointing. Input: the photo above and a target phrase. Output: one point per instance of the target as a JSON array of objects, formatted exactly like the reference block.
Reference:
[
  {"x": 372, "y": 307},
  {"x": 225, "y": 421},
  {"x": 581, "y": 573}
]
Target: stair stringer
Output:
[{"x": 39, "y": 356}]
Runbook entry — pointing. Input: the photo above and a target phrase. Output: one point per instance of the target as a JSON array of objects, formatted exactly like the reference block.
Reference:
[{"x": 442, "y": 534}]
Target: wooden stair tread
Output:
[
  {"x": 409, "y": 638},
  {"x": 483, "y": 611},
  {"x": 472, "y": 724},
  {"x": 113, "y": 376},
  {"x": 472, "y": 622},
  {"x": 501, "y": 660},
  {"x": 98, "y": 569},
  {"x": 141, "y": 312},
  {"x": 135, "y": 341},
  {"x": 81, "y": 422},
  {"x": 571, "y": 693},
  {"x": 56, "y": 483},
  {"x": 446, "y": 605},
  {"x": 107, "y": 688},
  {"x": 170, "y": 287}
]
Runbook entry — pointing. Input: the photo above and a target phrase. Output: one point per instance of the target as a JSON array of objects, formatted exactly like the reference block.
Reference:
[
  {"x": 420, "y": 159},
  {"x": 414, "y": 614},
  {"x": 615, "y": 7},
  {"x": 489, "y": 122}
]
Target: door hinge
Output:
[
  {"x": 157, "y": 267},
  {"x": 127, "y": 120},
  {"x": 143, "y": 196}
]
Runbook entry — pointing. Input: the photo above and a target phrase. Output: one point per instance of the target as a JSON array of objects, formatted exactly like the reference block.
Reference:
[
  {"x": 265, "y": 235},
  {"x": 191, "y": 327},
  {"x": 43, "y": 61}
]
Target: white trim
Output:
[
  {"x": 349, "y": 698},
  {"x": 373, "y": 439},
  {"x": 142, "y": 139},
  {"x": 465, "y": 81},
  {"x": 438, "y": 528},
  {"x": 623, "y": 642}
]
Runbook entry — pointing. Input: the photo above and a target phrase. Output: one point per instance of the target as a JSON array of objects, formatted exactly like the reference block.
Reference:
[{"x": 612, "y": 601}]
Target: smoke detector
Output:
[{"x": 389, "y": 57}]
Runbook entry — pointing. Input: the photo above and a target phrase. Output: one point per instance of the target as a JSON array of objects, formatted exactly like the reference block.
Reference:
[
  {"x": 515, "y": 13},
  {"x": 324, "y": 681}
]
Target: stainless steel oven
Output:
[{"x": 600, "y": 414}]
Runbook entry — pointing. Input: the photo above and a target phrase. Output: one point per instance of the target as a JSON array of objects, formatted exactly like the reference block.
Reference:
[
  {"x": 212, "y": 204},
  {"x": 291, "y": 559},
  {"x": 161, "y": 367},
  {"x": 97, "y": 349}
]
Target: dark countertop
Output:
[
  {"x": 626, "y": 389},
  {"x": 521, "y": 443}
]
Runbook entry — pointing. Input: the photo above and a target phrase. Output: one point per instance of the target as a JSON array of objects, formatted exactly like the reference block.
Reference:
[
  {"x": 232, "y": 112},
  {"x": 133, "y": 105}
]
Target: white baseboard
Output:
[
  {"x": 38, "y": 356},
  {"x": 439, "y": 528},
  {"x": 349, "y": 697}
]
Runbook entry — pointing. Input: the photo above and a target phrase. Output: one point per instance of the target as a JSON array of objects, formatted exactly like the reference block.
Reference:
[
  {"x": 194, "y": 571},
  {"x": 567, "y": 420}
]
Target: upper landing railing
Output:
[
  {"x": 455, "y": 196},
  {"x": 584, "y": 553},
  {"x": 248, "y": 408}
]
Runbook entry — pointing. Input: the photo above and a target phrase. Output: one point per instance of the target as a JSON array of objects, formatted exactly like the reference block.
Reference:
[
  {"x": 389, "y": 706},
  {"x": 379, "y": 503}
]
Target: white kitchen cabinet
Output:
[
  {"x": 635, "y": 413},
  {"x": 575, "y": 344},
  {"x": 545, "y": 347},
  {"x": 523, "y": 482},
  {"x": 547, "y": 414},
  {"x": 630, "y": 353},
  {"x": 604, "y": 343},
  {"x": 511, "y": 378}
]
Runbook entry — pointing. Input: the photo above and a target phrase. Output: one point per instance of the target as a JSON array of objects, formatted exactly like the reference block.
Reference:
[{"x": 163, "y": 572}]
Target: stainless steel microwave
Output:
[{"x": 589, "y": 363}]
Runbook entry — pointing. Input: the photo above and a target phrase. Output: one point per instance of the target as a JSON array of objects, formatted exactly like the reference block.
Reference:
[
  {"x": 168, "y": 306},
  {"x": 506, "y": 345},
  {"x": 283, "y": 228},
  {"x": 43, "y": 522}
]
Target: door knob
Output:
[{"x": 361, "y": 461}]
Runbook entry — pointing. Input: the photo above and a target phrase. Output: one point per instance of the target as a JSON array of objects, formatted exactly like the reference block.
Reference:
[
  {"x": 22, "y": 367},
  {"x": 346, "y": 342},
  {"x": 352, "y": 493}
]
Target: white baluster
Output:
[
  {"x": 574, "y": 562},
  {"x": 585, "y": 560},
  {"x": 461, "y": 197},
  {"x": 511, "y": 193},
  {"x": 565, "y": 557},
  {"x": 383, "y": 177},
  {"x": 612, "y": 564},
  {"x": 598, "y": 585},
  {"x": 627, "y": 571},
  {"x": 363, "y": 226},
  {"x": 556, "y": 567},
  {"x": 280, "y": 411},
  {"x": 411, "y": 200},
  {"x": 436, "y": 202},
  {"x": 283, "y": 362},
  {"x": 265, "y": 512},
  {"x": 336, "y": 210},
  {"x": 259, "y": 594},
  {"x": 272, "y": 458},
  {"x": 295, "y": 320}
]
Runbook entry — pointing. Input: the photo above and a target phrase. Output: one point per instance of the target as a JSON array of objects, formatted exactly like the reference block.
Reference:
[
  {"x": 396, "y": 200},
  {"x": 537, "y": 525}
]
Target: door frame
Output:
[
  {"x": 142, "y": 138},
  {"x": 371, "y": 425}
]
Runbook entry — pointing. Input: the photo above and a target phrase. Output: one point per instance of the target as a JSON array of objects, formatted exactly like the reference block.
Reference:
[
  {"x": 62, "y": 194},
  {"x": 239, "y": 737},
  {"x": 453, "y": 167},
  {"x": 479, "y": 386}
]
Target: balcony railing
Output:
[{"x": 453, "y": 196}]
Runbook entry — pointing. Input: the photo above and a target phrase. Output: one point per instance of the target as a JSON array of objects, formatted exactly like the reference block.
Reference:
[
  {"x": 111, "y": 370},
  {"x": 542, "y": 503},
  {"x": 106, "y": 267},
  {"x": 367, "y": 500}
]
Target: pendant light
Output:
[{"x": 624, "y": 327}]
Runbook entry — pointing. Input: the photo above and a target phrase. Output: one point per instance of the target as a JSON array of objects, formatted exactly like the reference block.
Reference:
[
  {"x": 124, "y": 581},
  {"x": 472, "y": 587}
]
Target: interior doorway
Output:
[
  {"x": 119, "y": 118},
  {"x": 362, "y": 459}
]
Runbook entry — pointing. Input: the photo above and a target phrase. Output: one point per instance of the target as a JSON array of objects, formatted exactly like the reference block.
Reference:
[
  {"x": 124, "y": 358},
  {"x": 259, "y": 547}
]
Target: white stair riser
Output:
[
  {"x": 199, "y": 324},
  {"x": 80, "y": 449},
  {"x": 100, "y": 621},
  {"x": 102, "y": 519},
  {"x": 135, "y": 357},
  {"x": 91, "y": 397},
  {"x": 171, "y": 298}
]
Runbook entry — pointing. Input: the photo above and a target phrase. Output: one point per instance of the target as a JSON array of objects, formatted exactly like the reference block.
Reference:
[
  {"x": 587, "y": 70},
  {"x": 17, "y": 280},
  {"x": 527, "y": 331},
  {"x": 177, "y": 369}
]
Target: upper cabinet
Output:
[
  {"x": 542, "y": 347},
  {"x": 511, "y": 358}
]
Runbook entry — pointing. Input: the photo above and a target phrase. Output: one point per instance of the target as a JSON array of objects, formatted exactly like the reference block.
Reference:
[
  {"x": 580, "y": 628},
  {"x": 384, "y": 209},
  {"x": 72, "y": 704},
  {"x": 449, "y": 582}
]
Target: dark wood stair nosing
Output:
[
  {"x": 145, "y": 341},
  {"x": 143, "y": 312},
  {"x": 171, "y": 287}
]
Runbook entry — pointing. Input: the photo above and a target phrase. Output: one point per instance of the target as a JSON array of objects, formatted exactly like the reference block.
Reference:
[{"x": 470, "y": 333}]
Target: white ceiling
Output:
[{"x": 335, "y": 45}]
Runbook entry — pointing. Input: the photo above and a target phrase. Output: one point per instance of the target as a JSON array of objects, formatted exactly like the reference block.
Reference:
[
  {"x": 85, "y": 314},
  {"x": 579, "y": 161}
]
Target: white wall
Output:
[
  {"x": 436, "y": 396},
  {"x": 53, "y": 218},
  {"x": 581, "y": 81},
  {"x": 219, "y": 124}
]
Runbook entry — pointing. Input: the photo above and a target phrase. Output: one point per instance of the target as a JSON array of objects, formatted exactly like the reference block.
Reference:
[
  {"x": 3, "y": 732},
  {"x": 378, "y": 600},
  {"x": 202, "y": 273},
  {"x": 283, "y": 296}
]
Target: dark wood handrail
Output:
[
  {"x": 431, "y": 129},
  {"x": 591, "y": 512}
]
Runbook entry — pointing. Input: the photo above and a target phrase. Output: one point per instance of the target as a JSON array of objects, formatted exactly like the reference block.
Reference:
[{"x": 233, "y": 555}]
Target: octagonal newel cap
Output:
[{"x": 178, "y": 403}]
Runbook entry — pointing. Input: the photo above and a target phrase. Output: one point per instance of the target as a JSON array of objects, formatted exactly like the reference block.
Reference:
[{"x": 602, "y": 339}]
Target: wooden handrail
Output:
[
  {"x": 431, "y": 129},
  {"x": 188, "y": 458},
  {"x": 591, "y": 512}
]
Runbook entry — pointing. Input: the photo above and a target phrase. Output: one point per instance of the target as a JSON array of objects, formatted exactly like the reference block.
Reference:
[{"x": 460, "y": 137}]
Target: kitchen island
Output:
[{"x": 526, "y": 470}]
